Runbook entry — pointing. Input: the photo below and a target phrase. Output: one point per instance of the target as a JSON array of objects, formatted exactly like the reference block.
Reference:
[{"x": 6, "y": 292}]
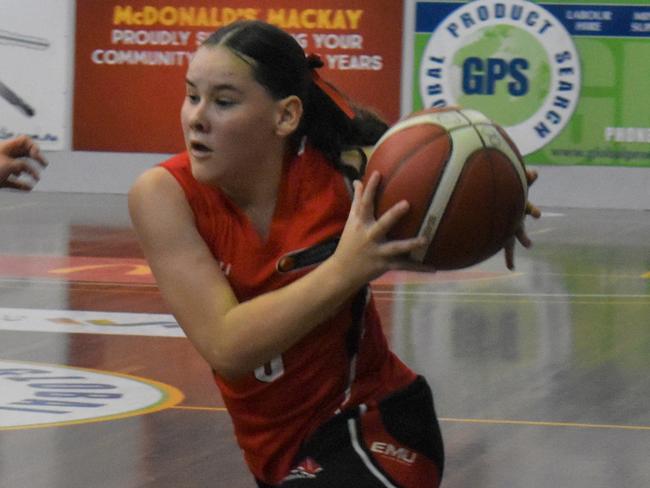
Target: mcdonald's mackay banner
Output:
[
  {"x": 132, "y": 56},
  {"x": 568, "y": 80}
]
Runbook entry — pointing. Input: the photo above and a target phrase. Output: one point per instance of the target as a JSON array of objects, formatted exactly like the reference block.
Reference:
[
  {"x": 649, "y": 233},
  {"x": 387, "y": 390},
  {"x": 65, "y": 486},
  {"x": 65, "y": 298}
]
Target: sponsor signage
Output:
[
  {"x": 131, "y": 59},
  {"x": 44, "y": 395},
  {"x": 562, "y": 78},
  {"x": 79, "y": 322}
]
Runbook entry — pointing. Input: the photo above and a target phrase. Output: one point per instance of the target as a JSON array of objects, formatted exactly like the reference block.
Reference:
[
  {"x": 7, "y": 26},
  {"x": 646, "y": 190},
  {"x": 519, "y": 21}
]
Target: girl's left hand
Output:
[
  {"x": 520, "y": 234},
  {"x": 364, "y": 252}
]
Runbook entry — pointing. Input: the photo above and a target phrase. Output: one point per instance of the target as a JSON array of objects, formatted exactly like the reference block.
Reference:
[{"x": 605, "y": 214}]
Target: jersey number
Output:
[{"x": 271, "y": 371}]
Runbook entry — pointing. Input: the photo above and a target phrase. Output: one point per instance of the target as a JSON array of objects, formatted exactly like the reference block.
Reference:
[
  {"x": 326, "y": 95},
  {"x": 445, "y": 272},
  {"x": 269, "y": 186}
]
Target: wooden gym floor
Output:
[{"x": 540, "y": 376}]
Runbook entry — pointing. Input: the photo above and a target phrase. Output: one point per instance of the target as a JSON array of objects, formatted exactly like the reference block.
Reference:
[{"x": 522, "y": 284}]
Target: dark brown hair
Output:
[{"x": 279, "y": 64}]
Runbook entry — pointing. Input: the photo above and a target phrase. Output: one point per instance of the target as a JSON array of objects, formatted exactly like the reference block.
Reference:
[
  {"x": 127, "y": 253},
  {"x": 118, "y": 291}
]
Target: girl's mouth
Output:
[{"x": 199, "y": 149}]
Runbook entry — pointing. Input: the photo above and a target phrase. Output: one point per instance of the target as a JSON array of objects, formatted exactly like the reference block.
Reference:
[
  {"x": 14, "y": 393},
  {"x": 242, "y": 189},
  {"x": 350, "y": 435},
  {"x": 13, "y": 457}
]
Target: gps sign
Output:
[{"x": 510, "y": 59}]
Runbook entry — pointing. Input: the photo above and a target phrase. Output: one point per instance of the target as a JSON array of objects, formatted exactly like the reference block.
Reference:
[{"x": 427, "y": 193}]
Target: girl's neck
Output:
[{"x": 257, "y": 195}]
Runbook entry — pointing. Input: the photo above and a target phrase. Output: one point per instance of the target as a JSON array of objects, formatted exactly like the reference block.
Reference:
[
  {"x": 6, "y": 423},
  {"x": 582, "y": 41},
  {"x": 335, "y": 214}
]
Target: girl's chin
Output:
[{"x": 202, "y": 172}]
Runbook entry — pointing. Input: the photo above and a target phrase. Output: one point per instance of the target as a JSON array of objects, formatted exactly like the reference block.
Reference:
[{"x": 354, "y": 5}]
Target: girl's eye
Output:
[
  {"x": 193, "y": 98},
  {"x": 223, "y": 102}
]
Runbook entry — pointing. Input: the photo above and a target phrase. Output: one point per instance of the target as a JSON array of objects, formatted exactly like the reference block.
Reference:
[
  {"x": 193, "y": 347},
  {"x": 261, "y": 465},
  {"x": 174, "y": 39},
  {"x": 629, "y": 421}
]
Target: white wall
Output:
[
  {"x": 579, "y": 186},
  {"x": 94, "y": 172}
]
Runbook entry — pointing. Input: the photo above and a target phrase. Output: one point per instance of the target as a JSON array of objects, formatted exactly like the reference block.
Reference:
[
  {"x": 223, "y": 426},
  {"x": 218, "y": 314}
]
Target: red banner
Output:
[{"x": 131, "y": 60}]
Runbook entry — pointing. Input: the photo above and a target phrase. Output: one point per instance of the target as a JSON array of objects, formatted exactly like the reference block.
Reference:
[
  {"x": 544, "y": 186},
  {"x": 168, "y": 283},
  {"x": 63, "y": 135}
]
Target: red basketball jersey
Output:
[{"x": 277, "y": 406}]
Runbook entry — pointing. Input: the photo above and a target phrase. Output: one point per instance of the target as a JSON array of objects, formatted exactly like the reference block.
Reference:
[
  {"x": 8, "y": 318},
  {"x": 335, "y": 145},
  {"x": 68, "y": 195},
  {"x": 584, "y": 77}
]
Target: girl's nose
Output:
[{"x": 198, "y": 119}]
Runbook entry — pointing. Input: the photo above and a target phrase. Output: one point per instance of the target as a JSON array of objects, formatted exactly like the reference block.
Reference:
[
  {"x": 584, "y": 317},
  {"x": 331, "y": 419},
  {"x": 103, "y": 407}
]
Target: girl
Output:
[{"x": 264, "y": 260}]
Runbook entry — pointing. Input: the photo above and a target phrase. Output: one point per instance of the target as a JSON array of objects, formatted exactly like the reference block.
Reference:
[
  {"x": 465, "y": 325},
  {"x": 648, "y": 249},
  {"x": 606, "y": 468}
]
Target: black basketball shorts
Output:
[{"x": 395, "y": 443}]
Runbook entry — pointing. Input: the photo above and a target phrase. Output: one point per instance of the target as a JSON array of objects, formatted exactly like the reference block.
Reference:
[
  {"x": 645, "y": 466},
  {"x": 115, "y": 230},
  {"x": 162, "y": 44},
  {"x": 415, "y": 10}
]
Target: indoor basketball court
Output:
[{"x": 540, "y": 375}]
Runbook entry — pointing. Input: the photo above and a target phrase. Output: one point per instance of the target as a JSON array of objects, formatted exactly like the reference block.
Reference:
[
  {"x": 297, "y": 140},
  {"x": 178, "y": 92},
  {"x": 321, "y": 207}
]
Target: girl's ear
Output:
[{"x": 289, "y": 114}]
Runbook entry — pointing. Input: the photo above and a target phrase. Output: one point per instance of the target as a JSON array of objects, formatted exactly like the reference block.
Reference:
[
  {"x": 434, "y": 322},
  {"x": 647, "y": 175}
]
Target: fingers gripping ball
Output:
[{"x": 464, "y": 179}]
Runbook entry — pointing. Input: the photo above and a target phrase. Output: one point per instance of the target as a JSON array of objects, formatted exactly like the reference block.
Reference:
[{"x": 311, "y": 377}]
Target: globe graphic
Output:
[{"x": 504, "y": 42}]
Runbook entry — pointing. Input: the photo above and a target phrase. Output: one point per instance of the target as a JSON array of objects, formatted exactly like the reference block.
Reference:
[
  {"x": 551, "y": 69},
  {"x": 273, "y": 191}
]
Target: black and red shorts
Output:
[{"x": 395, "y": 443}]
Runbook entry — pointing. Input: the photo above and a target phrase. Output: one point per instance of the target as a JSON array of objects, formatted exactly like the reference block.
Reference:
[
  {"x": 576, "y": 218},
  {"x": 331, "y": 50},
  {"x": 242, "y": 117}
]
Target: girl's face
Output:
[{"x": 229, "y": 120}]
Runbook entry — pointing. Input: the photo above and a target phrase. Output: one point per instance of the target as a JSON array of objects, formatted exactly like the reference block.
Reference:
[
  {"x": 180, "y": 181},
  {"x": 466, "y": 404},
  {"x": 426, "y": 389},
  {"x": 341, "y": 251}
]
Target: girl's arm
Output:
[{"x": 235, "y": 338}]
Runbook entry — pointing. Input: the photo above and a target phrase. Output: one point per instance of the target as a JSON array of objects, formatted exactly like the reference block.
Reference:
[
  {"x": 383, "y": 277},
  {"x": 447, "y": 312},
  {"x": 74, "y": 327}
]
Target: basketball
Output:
[{"x": 464, "y": 179}]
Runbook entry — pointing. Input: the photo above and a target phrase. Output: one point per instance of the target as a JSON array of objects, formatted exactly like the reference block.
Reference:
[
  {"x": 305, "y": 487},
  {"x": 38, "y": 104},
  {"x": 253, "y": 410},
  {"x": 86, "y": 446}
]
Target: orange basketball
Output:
[{"x": 465, "y": 181}]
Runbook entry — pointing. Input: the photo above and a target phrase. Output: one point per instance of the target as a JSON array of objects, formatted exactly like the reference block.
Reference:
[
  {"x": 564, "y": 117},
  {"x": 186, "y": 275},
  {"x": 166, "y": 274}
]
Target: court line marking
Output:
[
  {"x": 540, "y": 423},
  {"x": 537, "y": 232},
  {"x": 204, "y": 409},
  {"x": 522, "y": 300},
  {"x": 613, "y": 300},
  {"x": 58, "y": 282},
  {"x": 506, "y": 294},
  {"x": 528, "y": 423},
  {"x": 18, "y": 205},
  {"x": 611, "y": 276}
]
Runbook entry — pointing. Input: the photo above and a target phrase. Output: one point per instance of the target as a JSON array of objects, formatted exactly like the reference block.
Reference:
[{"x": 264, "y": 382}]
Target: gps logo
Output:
[
  {"x": 509, "y": 59},
  {"x": 481, "y": 76}
]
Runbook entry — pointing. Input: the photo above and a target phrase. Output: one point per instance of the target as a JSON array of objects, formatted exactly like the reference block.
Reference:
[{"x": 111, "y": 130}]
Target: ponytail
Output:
[{"x": 333, "y": 124}]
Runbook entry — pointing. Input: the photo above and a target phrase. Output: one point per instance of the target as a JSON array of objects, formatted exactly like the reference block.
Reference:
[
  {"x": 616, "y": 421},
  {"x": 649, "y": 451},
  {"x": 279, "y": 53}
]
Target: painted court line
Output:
[
  {"x": 536, "y": 423},
  {"x": 505, "y": 294},
  {"x": 527, "y": 423},
  {"x": 201, "y": 409}
]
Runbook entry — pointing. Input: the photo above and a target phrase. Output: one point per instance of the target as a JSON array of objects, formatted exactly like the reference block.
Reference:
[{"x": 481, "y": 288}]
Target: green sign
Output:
[{"x": 568, "y": 81}]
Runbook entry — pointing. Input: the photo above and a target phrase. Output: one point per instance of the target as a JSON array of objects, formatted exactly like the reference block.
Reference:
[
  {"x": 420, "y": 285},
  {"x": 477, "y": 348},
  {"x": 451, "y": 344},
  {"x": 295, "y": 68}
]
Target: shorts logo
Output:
[
  {"x": 510, "y": 59},
  {"x": 397, "y": 453},
  {"x": 307, "y": 469}
]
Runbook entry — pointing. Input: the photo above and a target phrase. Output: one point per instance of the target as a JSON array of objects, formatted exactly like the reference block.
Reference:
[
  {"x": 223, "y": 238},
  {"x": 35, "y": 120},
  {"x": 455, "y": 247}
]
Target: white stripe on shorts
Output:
[{"x": 354, "y": 437}]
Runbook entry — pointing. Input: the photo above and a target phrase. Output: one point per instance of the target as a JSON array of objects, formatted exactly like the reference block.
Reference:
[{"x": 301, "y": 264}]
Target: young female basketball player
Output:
[{"x": 264, "y": 259}]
